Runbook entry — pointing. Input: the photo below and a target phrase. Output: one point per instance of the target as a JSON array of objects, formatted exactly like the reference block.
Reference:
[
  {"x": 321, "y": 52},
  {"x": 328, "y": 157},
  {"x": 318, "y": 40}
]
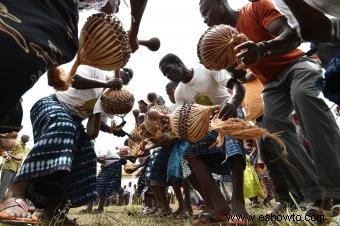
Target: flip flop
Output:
[{"x": 9, "y": 219}]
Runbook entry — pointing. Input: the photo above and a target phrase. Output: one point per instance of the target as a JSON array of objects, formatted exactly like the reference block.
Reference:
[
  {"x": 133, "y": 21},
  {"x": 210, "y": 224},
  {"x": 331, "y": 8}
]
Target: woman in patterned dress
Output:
[{"x": 61, "y": 167}]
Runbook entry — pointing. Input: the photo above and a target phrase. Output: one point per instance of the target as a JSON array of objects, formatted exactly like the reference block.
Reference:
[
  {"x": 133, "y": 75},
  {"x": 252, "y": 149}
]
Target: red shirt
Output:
[{"x": 253, "y": 21}]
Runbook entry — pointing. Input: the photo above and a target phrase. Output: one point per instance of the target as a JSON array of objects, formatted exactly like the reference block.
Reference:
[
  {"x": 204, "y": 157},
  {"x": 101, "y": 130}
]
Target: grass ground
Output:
[{"x": 127, "y": 215}]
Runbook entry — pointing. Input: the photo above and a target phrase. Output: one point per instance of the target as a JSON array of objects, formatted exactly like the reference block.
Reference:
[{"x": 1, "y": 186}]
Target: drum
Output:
[
  {"x": 103, "y": 44},
  {"x": 117, "y": 102},
  {"x": 215, "y": 48}
]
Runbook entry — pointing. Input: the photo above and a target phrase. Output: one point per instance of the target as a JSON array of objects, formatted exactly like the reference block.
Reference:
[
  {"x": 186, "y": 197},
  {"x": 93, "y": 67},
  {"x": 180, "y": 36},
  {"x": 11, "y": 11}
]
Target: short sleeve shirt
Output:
[
  {"x": 253, "y": 21},
  {"x": 206, "y": 88},
  {"x": 84, "y": 102}
]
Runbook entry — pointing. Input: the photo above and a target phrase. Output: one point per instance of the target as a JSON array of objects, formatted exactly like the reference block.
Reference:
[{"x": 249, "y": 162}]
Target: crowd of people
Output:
[{"x": 279, "y": 91}]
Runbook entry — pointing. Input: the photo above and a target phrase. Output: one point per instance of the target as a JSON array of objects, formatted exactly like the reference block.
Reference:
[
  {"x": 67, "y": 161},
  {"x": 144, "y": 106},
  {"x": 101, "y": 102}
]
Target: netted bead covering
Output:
[{"x": 117, "y": 102}]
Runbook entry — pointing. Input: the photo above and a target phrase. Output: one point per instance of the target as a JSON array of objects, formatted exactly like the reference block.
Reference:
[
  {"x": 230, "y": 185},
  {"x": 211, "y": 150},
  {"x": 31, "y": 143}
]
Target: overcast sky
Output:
[{"x": 177, "y": 23}]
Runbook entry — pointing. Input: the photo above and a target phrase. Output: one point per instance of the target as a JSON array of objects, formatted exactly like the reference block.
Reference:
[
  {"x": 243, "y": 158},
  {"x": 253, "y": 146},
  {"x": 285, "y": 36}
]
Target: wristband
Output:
[{"x": 268, "y": 51}]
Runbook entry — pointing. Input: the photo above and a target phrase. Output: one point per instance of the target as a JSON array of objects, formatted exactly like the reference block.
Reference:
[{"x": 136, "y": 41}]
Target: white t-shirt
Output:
[
  {"x": 109, "y": 153},
  {"x": 84, "y": 102},
  {"x": 206, "y": 88}
]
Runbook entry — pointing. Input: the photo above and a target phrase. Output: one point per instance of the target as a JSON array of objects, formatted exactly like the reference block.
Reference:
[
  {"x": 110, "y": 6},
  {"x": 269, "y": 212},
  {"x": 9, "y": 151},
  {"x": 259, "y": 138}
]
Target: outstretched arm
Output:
[
  {"x": 117, "y": 131},
  {"x": 137, "y": 10},
  {"x": 82, "y": 82},
  {"x": 229, "y": 106}
]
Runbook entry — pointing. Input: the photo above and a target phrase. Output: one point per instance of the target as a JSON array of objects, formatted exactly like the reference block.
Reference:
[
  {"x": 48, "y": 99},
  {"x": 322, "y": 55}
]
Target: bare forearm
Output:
[
  {"x": 81, "y": 82},
  {"x": 284, "y": 43},
  {"x": 105, "y": 128},
  {"x": 93, "y": 126},
  {"x": 137, "y": 10},
  {"x": 314, "y": 25},
  {"x": 238, "y": 92}
]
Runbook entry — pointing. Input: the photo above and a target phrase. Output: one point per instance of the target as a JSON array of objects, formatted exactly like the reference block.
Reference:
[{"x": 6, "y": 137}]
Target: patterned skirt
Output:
[
  {"x": 175, "y": 166},
  {"x": 109, "y": 179},
  {"x": 149, "y": 166},
  {"x": 62, "y": 162},
  {"x": 37, "y": 35},
  {"x": 158, "y": 173}
]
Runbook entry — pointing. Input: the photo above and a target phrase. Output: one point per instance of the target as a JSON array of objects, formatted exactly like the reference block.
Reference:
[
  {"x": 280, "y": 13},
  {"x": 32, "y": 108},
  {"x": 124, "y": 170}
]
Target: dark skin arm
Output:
[
  {"x": 137, "y": 10},
  {"x": 287, "y": 39},
  {"x": 82, "y": 82},
  {"x": 93, "y": 125},
  {"x": 229, "y": 106},
  {"x": 117, "y": 131},
  {"x": 314, "y": 25}
]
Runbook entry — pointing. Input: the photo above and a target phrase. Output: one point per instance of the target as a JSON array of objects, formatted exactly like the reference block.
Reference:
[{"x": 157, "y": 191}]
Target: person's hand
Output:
[
  {"x": 249, "y": 53},
  {"x": 101, "y": 159},
  {"x": 117, "y": 130},
  {"x": 228, "y": 110},
  {"x": 115, "y": 83},
  {"x": 123, "y": 151},
  {"x": 120, "y": 133},
  {"x": 133, "y": 40}
]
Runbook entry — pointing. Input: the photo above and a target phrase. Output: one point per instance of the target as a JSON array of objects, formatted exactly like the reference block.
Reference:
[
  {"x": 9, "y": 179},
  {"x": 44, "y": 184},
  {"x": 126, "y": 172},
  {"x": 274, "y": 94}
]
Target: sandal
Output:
[{"x": 10, "y": 219}]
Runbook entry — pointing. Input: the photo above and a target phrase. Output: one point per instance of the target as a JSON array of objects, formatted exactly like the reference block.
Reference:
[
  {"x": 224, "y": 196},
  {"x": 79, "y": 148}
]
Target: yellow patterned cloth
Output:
[
  {"x": 251, "y": 183},
  {"x": 20, "y": 151}
]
